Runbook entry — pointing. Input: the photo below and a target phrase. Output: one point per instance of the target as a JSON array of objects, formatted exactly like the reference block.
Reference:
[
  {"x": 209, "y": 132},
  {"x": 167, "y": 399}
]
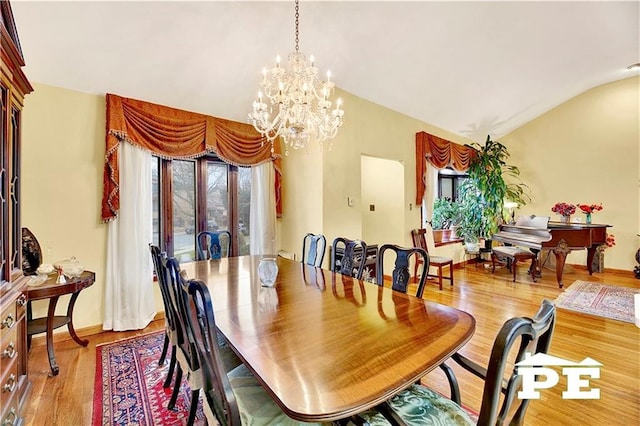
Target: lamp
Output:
[
  {"x": 511, "y": 206},
  {"x": 293, "y": 104}
]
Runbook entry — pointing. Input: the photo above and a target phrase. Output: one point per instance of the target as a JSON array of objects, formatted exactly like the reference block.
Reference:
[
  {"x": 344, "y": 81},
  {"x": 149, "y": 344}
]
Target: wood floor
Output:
[{"x": 491, "y": 298}]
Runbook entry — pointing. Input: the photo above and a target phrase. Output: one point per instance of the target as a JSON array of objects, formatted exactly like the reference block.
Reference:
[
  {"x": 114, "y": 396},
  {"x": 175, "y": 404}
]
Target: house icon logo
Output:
[{"x": 536, "y": 375}]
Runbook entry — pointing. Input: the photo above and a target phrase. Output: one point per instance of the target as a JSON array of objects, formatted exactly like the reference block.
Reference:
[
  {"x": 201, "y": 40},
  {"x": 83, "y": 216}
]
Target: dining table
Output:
[{"x": 326, "y": 346}]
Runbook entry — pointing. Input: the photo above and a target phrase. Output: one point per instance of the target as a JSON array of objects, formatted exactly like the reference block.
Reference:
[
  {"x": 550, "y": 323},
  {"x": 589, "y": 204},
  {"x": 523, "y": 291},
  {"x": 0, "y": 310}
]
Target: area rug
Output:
[
  {"x": 128, "y": 385},
  {"x": 603, "y": 300}
]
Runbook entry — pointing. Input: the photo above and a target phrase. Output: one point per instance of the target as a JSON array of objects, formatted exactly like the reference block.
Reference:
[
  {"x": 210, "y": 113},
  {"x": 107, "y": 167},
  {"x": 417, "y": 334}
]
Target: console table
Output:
[{"x": 52, "y": 291}]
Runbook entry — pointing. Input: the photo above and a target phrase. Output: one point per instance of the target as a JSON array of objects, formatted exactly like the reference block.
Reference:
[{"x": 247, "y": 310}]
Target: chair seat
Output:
[
  {"x": 256, "y": 407},
  {"x": 422, "y": 406},
  {"x": 513, "y": 251},
  {"x": 439, "y": 260}
]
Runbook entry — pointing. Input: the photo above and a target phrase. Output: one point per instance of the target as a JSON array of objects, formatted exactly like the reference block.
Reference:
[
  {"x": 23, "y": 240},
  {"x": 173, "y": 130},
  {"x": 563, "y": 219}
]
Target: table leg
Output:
[
  {"x": 52, "y": 356},
  {"x": 591, "y": 251},
  {"x": 72, "y": 331}
]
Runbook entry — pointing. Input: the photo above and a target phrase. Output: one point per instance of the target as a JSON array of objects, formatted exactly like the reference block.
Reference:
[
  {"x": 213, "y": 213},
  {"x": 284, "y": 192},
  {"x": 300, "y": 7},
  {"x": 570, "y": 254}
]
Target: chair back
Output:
[
  {"x": 400, "y": 276},
  {"x": 530, "y": 336},
  {"x": 353, "y": 258},
  {"x": 213, "y": 245},
  {"x": 216, "y": 386},
  {"x": 313, "y": 248},
  {"x": 176, "y": 280},
  {"x": 161, "y": 273},
  {"x": 423, "y": 238}
]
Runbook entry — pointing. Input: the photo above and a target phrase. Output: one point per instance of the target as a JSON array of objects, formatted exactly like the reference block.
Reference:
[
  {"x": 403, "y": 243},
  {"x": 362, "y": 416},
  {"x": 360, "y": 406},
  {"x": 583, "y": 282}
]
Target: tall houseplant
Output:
[{"x": 492, "y": 181}]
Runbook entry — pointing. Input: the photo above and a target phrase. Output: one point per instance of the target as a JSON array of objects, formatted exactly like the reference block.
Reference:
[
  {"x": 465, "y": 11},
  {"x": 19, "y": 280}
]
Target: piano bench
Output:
[{"x": 513, "y": 254}]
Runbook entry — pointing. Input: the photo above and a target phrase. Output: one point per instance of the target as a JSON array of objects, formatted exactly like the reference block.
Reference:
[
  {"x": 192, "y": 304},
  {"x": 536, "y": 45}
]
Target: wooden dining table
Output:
[{"x": 327, "y": 346}]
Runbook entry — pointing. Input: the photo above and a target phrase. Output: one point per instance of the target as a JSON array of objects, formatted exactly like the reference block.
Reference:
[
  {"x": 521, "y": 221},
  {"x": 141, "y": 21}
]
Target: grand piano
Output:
[{"x": 537, "y": 233}]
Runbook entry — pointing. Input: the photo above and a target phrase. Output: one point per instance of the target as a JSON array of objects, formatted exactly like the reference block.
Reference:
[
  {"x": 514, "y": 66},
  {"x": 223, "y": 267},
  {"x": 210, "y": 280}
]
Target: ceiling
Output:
[{"x": 472, "y": 68}]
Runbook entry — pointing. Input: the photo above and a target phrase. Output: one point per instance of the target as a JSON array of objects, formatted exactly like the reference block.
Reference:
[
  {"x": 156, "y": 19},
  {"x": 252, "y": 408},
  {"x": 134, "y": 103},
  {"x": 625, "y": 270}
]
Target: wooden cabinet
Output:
[{"x": 14, "y": 382}]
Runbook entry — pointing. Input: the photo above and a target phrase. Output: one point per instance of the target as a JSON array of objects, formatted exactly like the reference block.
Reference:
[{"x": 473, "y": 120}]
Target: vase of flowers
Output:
[
  {"x": 565, "y": 210},
  {"x": 588, "y": 209}
]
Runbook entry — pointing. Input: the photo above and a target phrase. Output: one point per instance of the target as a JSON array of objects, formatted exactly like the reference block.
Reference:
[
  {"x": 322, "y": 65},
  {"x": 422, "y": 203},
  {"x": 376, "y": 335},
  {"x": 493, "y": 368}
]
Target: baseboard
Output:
[{"x": 63, "y": 334}]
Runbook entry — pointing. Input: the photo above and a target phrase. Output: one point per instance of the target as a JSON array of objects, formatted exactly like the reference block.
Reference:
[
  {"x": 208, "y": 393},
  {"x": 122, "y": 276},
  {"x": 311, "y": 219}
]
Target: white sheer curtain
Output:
[
  {"x": 263, "y": 209},
  {"x": 431, "y": 192},
  {"x": 129, "y": 296}
]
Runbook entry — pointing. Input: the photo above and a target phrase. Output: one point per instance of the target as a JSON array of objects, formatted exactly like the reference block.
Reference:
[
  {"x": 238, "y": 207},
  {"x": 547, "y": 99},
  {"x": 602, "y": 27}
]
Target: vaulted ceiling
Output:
[{"x": 472, "y": 68}]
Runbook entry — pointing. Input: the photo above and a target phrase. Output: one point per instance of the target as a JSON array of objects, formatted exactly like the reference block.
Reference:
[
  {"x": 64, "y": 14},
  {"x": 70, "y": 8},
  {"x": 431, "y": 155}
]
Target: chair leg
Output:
[
  {"x": 195, "y": 395},
  {"x": 165, "y": 346},
  {"x": 451, "y": 272},
  {"x": 493, "y": 263},
  {"x": 172, "y": 365},
  {"x": 176, "y": 389}
]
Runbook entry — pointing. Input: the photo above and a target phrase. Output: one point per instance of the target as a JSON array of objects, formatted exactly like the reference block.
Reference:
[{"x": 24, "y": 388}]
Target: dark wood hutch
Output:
[{"x": 14, "y": 382}]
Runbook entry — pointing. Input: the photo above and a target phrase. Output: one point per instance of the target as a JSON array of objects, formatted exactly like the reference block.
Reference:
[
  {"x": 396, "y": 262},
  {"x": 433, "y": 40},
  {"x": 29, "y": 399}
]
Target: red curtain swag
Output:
[
  {"x": 176, "y": 134},
  {"x": 440, "y": 153}
]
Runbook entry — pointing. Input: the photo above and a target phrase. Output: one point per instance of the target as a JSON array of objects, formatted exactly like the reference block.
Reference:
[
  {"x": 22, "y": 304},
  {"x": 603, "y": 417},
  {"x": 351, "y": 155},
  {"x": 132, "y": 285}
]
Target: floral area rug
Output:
[
  {"x": 128, "y": 385},
  {"x": 603, "y": 300}
]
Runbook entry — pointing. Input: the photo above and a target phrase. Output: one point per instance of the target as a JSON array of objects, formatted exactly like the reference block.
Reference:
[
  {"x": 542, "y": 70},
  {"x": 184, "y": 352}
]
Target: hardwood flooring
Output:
[{"x": 492, "y": 298}]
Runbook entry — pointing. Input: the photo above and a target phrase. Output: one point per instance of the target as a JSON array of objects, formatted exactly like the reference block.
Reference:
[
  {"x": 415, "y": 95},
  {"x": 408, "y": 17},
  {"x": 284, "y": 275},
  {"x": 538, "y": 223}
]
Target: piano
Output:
[{"x": 537, "y": 233}]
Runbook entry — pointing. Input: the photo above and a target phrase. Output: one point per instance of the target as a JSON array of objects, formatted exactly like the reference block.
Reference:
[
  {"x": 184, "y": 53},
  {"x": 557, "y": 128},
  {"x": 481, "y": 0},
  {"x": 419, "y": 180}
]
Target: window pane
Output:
[
  {"x": 184, "y": 210},
  {"x": 155, "y": 200},
  {"x": 244, "y": 203},
  {"x": 217, "y": 197}
]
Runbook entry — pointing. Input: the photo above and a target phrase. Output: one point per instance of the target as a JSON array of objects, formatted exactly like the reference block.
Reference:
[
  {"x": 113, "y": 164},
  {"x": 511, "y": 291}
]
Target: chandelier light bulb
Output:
[{"x": 296, "y": 107}]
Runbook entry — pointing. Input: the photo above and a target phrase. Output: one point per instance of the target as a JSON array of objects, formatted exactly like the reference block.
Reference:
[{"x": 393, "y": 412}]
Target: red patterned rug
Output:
[
  {"x": 609, "y": 301},
  {"x": 128, "y": 386}
]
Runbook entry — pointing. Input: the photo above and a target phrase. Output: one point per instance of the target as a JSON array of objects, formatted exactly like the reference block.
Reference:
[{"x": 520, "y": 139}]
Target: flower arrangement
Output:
[
  {"x": 564, "y": 209},
  {"x": 590, "y": 208},
  {"x": 611, "y": 240}
]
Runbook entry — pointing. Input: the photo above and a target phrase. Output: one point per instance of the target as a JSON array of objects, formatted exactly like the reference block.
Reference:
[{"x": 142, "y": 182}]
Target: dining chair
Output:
[
  {"x": 420, "y": 240},
  {"x": 170, "y": 337},
  {"x": 229, "y": 398},
  {"x": 314, "y": 253},
  {"x": 419, "y": 405},
  {"x": 187, "y": 357},
  {"x": 353, "y": 259},
  {"x": 400, "y": 277},
  {"x": 213, "y": 245}
]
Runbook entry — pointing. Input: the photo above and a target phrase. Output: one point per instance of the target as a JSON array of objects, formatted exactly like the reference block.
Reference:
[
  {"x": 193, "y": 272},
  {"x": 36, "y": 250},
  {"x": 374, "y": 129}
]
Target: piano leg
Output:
[{"x": 561, "y": 252}]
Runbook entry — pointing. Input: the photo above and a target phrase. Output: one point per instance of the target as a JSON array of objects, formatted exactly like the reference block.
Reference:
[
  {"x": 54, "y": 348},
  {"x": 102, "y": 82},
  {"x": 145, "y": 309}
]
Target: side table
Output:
[{"x": 52, "y": 291}]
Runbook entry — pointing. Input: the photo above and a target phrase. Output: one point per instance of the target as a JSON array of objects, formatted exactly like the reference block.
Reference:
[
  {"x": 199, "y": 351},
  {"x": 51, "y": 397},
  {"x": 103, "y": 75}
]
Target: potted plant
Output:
[
  {"x": 441, "y": 218},
  {"x": 470, "y": 219},
  {"x": 492, "y": 181}
]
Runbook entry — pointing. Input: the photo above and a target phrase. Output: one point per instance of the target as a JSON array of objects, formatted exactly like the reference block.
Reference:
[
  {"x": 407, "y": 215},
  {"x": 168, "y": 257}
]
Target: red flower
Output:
[
  {"x": 590, "y": 208},
  {"x": 611, "y": 240},
  {"x": 564, "y": 209}
]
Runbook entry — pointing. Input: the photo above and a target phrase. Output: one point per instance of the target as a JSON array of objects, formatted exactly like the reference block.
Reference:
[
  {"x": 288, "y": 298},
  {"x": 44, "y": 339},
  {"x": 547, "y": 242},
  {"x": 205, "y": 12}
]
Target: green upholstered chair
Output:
[
  {"x": 419, "y": 405},
  {"x": 353, "y": 258},
  {"x": 236, "y": 397},
  {"x": 313, "y": 248},
  {"x": 213, "y": 245},
  {"x": 400, "y": 276}
]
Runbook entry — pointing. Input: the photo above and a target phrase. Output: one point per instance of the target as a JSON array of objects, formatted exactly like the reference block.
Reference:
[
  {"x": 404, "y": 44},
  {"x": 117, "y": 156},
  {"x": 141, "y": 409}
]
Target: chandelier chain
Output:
[{"x": 297, "y": 33}]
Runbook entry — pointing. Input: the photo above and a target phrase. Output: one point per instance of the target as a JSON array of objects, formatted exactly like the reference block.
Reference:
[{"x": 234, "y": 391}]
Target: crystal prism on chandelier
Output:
[{"x": 294, "y": 104}]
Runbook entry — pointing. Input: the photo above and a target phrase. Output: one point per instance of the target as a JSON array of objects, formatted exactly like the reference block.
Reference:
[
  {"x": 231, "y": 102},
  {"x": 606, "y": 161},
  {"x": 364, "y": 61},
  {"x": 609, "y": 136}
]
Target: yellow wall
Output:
[
  {"x": 62, "y": 162},
  {"x": 586, "y": 151}
]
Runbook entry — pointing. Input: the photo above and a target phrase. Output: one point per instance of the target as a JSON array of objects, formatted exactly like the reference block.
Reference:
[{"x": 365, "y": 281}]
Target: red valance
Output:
[
  {"x": 173, "y": 134},
  {"x": 440, "y": 153}
]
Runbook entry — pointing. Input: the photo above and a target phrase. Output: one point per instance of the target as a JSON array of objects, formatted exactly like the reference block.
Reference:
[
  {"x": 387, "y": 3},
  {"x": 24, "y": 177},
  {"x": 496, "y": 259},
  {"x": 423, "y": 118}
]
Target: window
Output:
[
  {"x": 204, "y": 194},
  {"x": 449, "y": 181}
]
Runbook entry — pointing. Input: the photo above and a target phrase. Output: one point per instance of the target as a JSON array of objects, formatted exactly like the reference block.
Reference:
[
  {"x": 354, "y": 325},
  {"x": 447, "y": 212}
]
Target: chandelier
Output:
[{"x": 293, "y": 104}]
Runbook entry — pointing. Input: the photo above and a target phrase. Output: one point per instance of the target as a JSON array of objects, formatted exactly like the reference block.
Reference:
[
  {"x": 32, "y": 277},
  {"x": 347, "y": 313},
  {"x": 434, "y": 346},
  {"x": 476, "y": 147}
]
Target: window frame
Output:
[{"x": 165, "y": 200}]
